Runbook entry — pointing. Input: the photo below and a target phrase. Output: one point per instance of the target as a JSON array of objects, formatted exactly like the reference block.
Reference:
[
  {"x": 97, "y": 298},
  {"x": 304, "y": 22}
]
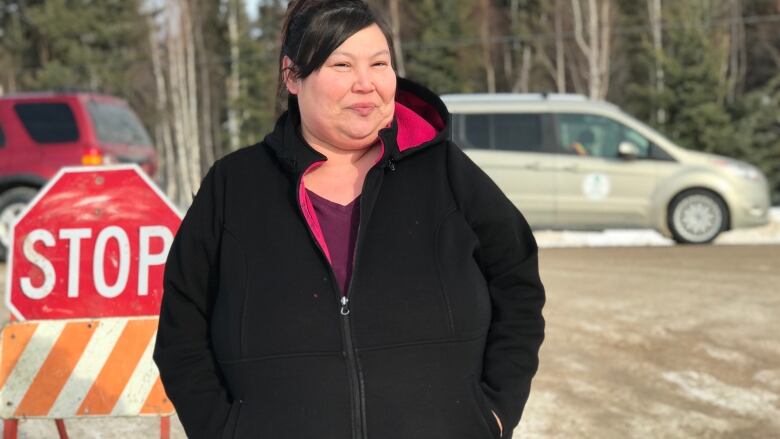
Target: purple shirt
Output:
[{"x": 339, "y": 225}]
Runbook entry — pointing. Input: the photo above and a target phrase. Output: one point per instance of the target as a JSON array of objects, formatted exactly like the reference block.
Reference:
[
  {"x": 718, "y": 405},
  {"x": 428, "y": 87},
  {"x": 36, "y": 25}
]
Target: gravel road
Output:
[
  {"x": 667, "y": 342},
  {"x": 651, "y": 342}
]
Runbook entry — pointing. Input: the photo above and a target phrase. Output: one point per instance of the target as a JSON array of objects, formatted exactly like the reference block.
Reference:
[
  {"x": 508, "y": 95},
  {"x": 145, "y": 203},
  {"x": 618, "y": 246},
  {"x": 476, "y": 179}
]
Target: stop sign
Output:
[{"x": 93, "y": 244}]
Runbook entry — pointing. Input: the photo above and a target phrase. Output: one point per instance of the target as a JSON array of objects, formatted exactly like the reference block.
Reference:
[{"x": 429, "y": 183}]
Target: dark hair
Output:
[{"x": 313, "y": 29}]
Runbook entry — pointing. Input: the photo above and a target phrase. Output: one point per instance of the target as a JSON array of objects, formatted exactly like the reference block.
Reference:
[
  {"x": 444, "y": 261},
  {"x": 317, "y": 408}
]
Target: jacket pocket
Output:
[
  {"x": 229, "y": 432},
  {"x": 485, "y": 412}
]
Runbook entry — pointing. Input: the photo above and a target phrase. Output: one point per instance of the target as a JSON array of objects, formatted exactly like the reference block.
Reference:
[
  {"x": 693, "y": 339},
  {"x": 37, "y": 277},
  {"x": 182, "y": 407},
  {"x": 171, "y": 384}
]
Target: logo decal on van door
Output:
[{"x": 596, "y": 186}]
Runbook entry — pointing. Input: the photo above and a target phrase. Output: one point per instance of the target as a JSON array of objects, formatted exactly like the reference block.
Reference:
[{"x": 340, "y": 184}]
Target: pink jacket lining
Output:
[{"x": 413, "y": 131}]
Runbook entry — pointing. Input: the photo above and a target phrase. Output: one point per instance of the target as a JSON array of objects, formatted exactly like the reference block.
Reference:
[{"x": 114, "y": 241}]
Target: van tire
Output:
[
  {"x": 697, "y": 216},
  {"x": 12, "y": 203}
]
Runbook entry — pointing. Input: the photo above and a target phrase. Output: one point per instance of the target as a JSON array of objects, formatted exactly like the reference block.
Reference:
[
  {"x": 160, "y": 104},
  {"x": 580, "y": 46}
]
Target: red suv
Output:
[{"x": 42, "y": 132}]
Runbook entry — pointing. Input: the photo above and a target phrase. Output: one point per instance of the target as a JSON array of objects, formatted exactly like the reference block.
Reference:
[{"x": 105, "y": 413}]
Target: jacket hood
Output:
[{"x": 420, "y": 119}]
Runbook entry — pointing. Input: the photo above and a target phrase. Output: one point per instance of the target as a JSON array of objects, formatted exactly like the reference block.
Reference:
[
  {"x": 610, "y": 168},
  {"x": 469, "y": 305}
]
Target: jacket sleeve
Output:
[
  {"x": 508, "y": 256},
  {"x": 183, "y": 353}
]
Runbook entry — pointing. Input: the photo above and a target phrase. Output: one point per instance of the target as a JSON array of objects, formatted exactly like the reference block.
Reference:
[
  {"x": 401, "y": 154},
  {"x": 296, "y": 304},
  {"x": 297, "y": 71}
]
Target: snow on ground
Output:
[{"x": 769, "y": 234}]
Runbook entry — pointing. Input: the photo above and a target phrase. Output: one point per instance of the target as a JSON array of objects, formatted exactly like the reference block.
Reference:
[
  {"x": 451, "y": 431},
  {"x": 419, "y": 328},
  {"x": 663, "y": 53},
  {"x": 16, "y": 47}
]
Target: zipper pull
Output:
[
  {"x": 344, "y": 305},
  {"x": 391, "y": 164}
]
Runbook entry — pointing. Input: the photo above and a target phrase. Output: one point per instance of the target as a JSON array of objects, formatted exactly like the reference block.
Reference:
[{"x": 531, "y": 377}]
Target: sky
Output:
[{"x": 251, "y": 6}]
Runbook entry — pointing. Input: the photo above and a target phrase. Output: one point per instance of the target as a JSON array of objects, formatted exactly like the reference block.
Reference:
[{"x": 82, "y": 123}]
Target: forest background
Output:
[{"x": 202, "y": 74}]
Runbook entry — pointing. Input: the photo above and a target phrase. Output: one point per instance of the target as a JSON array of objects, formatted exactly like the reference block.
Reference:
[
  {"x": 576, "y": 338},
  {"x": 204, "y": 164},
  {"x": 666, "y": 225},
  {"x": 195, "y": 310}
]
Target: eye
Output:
[
  {"x": 381, "y": 64},
  {"x": 341, "y": 65}
]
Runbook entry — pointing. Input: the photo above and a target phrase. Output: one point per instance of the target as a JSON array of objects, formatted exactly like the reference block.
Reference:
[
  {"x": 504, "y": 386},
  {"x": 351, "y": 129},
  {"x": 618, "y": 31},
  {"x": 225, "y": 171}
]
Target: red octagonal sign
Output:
[{"x": 93, "y": 243}]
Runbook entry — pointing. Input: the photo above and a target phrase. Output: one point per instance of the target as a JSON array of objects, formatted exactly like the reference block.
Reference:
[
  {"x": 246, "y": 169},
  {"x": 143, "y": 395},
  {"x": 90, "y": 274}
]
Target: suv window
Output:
[
  {"x": 597, "y": 136},
  {"x": 48, "y": 123},
  {"x": 117, "y": 124},
  {"x": 501, "y": 131}
]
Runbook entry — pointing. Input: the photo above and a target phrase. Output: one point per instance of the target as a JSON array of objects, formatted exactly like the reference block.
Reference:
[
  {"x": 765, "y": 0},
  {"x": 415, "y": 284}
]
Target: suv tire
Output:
[
  {"x": 697, "y": 216},
  {"x": 12, "y": 203}
]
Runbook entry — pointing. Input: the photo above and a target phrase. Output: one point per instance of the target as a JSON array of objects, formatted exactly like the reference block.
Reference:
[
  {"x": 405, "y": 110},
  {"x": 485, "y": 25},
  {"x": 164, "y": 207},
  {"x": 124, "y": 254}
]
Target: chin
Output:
[{"x": 362, "y": 137}]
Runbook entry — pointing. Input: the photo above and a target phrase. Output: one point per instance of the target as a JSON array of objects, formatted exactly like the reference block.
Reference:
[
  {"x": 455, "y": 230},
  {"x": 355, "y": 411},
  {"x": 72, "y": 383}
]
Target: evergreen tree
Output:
[
  {"x": 438, "y": 57},
  {"x": 757, "y": 126},
  {"x": 261, "y": 49},
  {"x": 81, "y": 44},
  {"x": 77, "y": 44},
  {"x": 693, "y": 97}
]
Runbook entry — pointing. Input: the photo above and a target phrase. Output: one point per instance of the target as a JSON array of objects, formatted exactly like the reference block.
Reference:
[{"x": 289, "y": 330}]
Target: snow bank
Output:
[{"x": 769, "y": 234}]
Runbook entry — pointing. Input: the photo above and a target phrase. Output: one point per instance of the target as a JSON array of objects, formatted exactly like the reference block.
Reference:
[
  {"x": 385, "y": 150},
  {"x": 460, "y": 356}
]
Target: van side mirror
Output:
[{"x": 628, "y": 150}]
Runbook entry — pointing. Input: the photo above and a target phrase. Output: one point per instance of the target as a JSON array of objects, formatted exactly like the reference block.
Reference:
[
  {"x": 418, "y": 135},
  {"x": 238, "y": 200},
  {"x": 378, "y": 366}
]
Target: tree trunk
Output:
[
  {"x": 506, "y": 55},
  {"x": 605, "y": 47},
  {"x": 560, "y": 49},
  {"x": 510, "y": 52},
  {"x": 204, "y": 86},
  {"x": 162, "y": 129},
  {"x": 656, "y": 19},
  {"x": 737, "y": 51},
  {"x": 596, "y": 49},
  {"x": 487, "y": 58},
  {"x": 522, "y": 84},
  {"x": 547, "y": 63},
  {"x": 234, "y": 80},
  {"x": 178, "y": 82},
  {"x": 395, "y": 20},
  {"x": 191, "y": 96}
]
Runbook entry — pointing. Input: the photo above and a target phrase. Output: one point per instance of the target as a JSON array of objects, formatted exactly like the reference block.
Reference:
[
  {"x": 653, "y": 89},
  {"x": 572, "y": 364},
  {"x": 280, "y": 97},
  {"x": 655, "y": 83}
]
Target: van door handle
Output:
[
  {"x": 570, "y": 168},
  {"x": 533, "y": 166}
]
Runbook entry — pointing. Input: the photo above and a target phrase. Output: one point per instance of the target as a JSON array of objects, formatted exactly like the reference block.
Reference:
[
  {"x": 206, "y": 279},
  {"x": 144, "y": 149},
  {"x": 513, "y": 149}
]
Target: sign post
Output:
[{"x": 85, "y": 270}]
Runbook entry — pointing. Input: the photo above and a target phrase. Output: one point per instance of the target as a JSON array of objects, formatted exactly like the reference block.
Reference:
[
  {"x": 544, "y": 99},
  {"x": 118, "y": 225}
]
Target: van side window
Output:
[
  {"x": 48, "y": 123},
  {"x": 500, "y": 131},
  {"x": 2, "y": 137},
  {"x": 475, "y": 131},
  {"x": 597, "y": 136}
]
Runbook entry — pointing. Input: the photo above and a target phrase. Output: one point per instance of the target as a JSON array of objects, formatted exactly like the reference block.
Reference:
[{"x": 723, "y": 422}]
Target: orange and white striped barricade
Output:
[
  {"x": 60, "y": 369},
  {"x": 85, "y": 267}
]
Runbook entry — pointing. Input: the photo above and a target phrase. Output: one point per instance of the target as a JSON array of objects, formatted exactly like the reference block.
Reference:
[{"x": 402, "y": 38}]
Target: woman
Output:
[{"x": 354, "y": 275}]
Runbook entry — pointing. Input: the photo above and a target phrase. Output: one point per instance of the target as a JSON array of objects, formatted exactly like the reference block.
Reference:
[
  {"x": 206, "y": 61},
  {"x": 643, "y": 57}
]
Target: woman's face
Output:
[{"x": 351, "y": 97}]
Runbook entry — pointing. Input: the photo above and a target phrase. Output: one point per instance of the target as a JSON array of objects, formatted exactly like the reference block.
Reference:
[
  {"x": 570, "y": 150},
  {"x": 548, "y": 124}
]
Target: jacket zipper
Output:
[
  {"x": 352, "y": 371},
  {"x": 355, "y": 381}
]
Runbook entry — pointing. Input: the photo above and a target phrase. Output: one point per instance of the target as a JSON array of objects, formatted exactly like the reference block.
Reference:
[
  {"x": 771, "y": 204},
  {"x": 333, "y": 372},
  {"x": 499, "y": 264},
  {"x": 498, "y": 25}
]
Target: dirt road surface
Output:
[
  {"x": 653, "y": 342},
  {"x": 673, "y": 342}
]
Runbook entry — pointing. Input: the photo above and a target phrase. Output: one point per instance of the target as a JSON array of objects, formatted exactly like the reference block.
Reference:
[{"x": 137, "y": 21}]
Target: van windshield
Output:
[
  {"x": 648, "y": 127},
  {"x": 117, "y": 124}
]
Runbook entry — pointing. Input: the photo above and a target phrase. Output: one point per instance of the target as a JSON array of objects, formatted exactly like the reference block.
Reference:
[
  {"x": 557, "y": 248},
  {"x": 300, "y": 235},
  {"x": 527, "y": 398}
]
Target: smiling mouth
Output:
[{"x": 362, "y": 110}]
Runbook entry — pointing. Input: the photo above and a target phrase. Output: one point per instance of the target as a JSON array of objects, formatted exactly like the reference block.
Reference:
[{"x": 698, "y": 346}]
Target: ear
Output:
[{"x": 292, "y": 83}]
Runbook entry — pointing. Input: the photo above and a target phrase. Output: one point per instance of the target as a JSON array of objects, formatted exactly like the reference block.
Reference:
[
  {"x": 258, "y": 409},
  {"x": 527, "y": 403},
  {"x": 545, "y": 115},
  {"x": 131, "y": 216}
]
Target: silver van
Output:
[{"x": 568, "y": 162}]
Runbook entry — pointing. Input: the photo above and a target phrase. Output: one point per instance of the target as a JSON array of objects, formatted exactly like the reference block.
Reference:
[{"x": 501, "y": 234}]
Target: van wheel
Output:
[
  {"x": 12, "y": 203},
  {"x": 697, "y": 216}
]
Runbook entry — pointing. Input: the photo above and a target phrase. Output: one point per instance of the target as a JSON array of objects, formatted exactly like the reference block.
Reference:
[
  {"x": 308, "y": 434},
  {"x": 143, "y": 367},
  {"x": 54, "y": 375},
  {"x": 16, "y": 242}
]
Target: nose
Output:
[{"x": 364, "y": 81}]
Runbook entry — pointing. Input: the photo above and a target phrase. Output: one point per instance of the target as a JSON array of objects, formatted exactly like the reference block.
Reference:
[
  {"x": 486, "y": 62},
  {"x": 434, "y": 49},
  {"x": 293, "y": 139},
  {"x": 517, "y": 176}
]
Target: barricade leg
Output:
[
  {"x": 165, "y": 427},
  {"x": 61, "y": 428},
  {"x": 10, "y": 428}
]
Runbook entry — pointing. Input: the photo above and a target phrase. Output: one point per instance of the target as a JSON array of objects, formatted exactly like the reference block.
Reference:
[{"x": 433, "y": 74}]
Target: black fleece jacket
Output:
[{"x": 443, "y": 321}]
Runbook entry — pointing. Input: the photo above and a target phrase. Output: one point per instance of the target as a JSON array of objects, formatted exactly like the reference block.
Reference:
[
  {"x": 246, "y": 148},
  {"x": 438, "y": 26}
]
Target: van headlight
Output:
[{"x": 744, "y": 170}]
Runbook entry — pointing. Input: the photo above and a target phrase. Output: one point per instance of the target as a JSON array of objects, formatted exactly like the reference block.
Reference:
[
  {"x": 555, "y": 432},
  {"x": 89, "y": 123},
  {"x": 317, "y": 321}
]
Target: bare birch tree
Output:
[
  {"x": 487, "y": 47},
  {"x": 177, "y": 84},
  {"x": 190, "y": 103},
  {"x": 178, "y": 129},
  {"x": 737, "y": 59},
  {"x": 524, "y": 51},
  {"x": 162, "y": 127},
  {"x": 655, "y": 11},
  {"x": 597, "y": 17},
  {"x": 234, "y": 80},
  {"x": 554, "y": 63},
  {"x": 395, "y": 20},
  {"x": 560, "y": 49},
  {"x": 204, "y": 87}
]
